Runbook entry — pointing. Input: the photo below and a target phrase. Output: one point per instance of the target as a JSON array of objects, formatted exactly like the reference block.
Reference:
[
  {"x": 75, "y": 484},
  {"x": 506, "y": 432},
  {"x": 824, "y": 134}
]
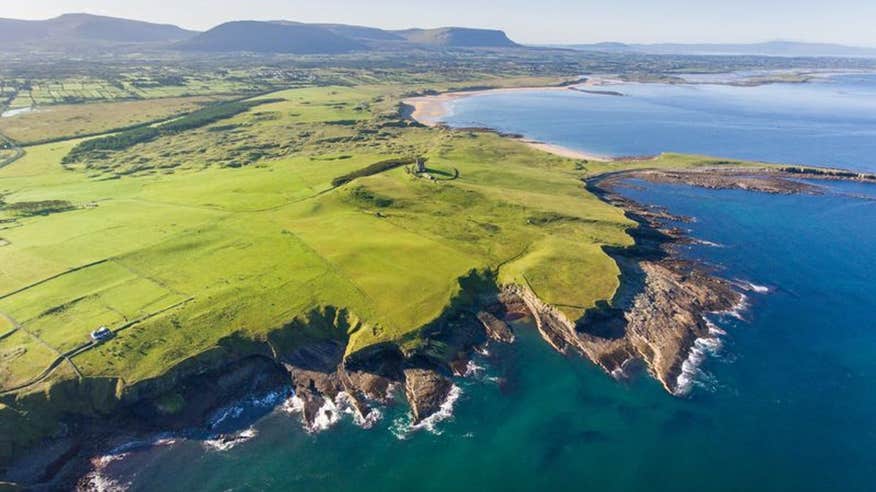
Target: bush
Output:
[
  {"x": 134, "y": 136},
  {"x": 377, "y": 167},
  {"x": 46, "y": 207}
]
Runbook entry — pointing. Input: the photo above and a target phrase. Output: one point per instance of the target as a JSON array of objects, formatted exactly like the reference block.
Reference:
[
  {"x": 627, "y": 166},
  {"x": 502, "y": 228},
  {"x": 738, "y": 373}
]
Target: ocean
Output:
[
  {"x": 785, "y": 402},
  {"x": 829, "y": 122}
]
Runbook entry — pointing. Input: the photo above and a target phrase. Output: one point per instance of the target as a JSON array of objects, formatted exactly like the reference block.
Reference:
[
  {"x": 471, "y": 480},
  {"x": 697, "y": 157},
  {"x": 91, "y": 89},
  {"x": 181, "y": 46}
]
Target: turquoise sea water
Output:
[{"x": 788, "y": 403}]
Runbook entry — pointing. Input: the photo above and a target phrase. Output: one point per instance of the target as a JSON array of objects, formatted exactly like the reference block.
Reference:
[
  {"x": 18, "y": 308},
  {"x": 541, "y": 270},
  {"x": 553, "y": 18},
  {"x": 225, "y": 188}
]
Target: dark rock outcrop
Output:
[
  {"x": 496, "y": 329},
  {"x": 426, "y": 391}
]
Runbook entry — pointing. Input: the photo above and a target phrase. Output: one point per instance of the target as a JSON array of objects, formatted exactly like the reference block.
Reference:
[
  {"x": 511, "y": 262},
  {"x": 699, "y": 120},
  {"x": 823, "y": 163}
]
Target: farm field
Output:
[
  {"x": 54, "y": 122},
  {"x": 280, "y": 224},
  {"x": 253, "y": 248},
  {"x": 125, "y": 86}
]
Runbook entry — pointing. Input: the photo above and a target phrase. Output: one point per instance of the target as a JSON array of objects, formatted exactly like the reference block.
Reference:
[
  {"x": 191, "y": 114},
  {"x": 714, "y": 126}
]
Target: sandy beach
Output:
[{"x": 431, "y": 110}]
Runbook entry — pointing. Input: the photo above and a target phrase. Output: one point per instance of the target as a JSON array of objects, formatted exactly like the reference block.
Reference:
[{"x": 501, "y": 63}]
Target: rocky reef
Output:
[
  {"x": 773, "y": 179},
  {"x": 658, "y": 313}
]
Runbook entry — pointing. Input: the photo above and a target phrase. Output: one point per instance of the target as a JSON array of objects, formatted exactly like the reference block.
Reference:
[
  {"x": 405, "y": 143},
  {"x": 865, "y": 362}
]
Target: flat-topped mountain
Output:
[
  {"x": 73, "y": 31},
  {"x": 363, "y": 33},
  {"x": 459, "y": 37},
  {"x": 271, "y": 37},
  {"x": 87, "y": 28},
  {"x": 301, "y": 38}
]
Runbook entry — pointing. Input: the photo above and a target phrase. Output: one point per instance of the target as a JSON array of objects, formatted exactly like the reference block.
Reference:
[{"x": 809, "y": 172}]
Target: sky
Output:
[{"x": 525, "y": 21}]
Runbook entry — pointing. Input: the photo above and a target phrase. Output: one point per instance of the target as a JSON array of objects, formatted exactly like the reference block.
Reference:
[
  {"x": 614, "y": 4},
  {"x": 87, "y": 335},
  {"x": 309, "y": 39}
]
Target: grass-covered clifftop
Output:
[{"x": 236, "y": 237}]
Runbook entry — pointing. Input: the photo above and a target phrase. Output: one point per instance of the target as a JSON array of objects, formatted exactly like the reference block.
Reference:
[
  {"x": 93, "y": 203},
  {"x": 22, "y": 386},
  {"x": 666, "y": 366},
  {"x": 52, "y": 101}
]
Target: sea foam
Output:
[
  {"x": 691, "y": 373},
  {"x": 228, "y": 441},
  {"x": 403, "y": 426}
]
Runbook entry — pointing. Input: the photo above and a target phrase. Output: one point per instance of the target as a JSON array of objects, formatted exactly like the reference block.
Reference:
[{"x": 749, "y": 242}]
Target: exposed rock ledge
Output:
[
  {"x": 656, "y": 316},
  {"x": 776, "y": 180}
]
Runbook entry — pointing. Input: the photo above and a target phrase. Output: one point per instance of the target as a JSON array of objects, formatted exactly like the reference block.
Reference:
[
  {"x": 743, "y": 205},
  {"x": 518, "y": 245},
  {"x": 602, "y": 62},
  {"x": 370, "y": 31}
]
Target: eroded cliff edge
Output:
[{"x": 654, "y": 322}]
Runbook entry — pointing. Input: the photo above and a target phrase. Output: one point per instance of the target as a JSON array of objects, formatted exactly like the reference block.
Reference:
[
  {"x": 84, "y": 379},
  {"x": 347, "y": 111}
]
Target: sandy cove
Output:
[{"x": 430, "y": 110}]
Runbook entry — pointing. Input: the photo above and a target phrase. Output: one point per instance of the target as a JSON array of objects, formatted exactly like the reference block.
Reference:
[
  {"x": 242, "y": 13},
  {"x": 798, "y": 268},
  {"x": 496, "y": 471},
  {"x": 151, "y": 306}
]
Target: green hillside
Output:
[{"x": 289, "y": 218}]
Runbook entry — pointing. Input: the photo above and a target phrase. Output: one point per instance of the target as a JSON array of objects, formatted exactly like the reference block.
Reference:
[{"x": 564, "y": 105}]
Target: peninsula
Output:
[{"x": 176, "y": 239}]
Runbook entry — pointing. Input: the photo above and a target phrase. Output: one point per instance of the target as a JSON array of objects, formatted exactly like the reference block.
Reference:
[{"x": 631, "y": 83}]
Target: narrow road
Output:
[
  {"x": 11, "y": 320},
  {"x": 18, "y": 152}
]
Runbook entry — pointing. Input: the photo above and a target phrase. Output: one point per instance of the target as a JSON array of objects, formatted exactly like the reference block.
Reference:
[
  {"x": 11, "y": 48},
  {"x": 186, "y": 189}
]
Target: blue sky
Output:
[{"x": 527, "y": 21}]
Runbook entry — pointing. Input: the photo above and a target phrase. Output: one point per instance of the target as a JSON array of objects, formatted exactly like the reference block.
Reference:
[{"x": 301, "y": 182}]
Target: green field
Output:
[
  {"x": 136, "y": 84},
  {"x": 73, "y": 120},
  {"x": 258, "y": 246},
  {"x": 233, "y": 232}
]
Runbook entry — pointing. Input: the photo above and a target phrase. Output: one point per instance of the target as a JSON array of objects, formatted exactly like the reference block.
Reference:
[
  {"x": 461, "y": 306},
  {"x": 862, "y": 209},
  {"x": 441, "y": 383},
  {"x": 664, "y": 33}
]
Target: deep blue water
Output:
[
  {"x": 831, "y": 122},
  {"x": 787, "y": 404}
]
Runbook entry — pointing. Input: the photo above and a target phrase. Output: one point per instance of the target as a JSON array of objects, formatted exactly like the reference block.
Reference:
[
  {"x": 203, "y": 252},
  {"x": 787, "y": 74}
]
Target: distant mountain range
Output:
[
  {"x": 270, "y": 37},
  {"x": 82, "y": 31},
  {"x": 771, "y": 48},
  {"x": 74, "y": 31},
  {"x": 86, "y": 28}
]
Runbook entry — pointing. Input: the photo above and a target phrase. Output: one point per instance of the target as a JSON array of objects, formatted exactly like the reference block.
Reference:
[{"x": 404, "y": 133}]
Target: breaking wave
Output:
[
  {"x": 738, "y": 310},
  {"x": 752, "y": 287},
  {"x": 229, "y": 414},
  {"x": 331, "y": 411},
  {"x": 692, "y": 375},
  {"x": 703, "y": 242},
  {"x": 472, "y": 369},
  {"x": 403, "y": 427},
  {"x": 228, "y": 441},
  {"x": 97, "y": 480}
]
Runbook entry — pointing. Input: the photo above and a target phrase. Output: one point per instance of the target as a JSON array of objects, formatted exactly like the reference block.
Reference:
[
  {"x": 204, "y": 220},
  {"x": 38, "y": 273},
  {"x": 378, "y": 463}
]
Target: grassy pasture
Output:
[
  {"x": 135, "y": 85},
  {"x": 73, "y": 120},
  {"x": 254, "y": 247}
]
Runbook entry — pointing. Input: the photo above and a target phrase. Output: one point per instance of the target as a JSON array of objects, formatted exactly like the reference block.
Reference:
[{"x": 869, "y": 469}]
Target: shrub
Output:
[
  {"x": 134, "y": 136},
  {"x": 377, "y": 167}
]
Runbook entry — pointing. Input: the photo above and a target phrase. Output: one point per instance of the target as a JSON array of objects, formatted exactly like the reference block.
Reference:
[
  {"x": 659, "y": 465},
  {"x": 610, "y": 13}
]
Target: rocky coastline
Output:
[{"x": 653, "y": 323}]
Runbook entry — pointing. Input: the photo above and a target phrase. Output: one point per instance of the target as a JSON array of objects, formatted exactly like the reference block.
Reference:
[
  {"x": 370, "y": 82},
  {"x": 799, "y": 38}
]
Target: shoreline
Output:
[
  {"x": 428, "y": 389},
  {"x": 430, "y": 110}
]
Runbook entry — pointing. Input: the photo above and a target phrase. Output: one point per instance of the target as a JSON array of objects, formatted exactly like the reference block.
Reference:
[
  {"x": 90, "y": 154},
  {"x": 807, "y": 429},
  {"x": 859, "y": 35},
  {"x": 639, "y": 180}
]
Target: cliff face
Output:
[
  {"x": 657, "y": 315},
  {"x": 658, "y": 328},
  {"x": 655, "y": 318}
]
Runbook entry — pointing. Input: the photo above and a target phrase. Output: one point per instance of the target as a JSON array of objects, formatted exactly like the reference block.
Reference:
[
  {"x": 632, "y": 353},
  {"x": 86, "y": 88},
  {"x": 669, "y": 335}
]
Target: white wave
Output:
[
  {"x": 760, "y": 289},
  {"x": 294, "y": 404},
  {"x": 327, "y": 416},
  {"x": 703, "y": 242},
  {"x": 390, "y": 390},
  {"x": 472, "y": 369},
  {"x": 331, "y": 411},
  {"x": 223, "y": 415},
  {"x": 714, "y": 330},
  {"x": 752, "y": 287},
  {"x": 738, "y": 310},
  {"x": 101, "y": 462},
  {"x": 620, "y": 373},
  {"x": 367, "y": 421},
  {"x": 234, "y": 411},
  {"x": 346, "y": 403},
  {"x": 95, "y": 481},
  {"x": 691, "y": 372},
  {"x": 403, "y": 427},
  {"x": 226, "y": 442}
]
